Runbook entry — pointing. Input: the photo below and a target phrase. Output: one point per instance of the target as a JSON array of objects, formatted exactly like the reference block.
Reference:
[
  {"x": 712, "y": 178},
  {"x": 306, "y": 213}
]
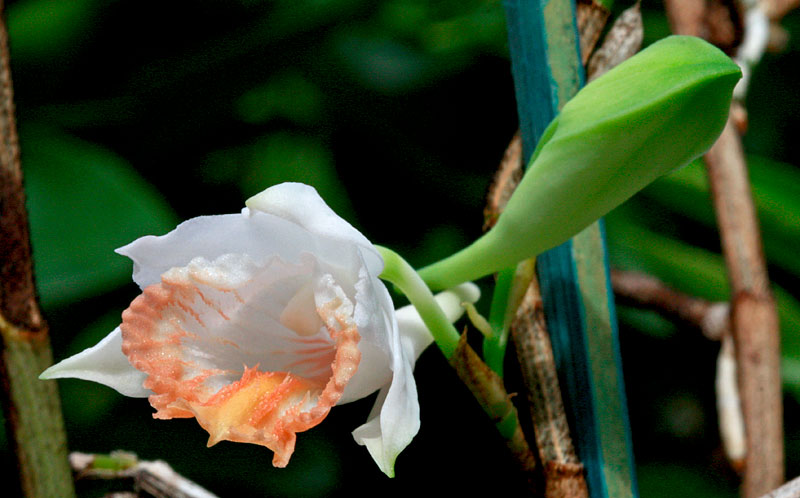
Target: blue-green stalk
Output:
[{"x": 653, "y": 113}]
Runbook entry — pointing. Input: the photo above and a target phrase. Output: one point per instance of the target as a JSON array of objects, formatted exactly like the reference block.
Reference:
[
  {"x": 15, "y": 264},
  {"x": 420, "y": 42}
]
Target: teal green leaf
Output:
[
  {"x": 655, "y": 112},
  {"x": 84, "y": 201}
]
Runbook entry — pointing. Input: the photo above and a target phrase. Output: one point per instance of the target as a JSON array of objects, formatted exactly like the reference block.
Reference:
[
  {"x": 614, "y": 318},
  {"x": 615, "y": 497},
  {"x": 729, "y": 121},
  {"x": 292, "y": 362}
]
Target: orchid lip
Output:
[
  {"x": 192, "y": 334},
  {"x": 257, "y": 323}
]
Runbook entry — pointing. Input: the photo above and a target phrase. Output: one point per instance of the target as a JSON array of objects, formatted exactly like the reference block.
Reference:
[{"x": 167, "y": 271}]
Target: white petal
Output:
[
  {"x": 394, "y": 420},
  {"x": 103, "y": 363},
  {"x": 231, "y": 313},
  {"x": 301, "y": 204},
  {"x": 373, "y": 315},
  {"x": 414, "y": 330},
  {"x": 259, "y": 236}
]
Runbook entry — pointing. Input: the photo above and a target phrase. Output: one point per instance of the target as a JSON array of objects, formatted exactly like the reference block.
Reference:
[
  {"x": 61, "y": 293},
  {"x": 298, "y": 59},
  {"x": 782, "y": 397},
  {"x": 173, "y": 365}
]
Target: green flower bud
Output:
[{"x": 653, "y": 113}]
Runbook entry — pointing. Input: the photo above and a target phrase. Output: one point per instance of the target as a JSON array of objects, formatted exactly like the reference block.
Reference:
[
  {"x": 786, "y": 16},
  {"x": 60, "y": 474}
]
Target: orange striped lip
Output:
[{"x": 188, "y": 332}]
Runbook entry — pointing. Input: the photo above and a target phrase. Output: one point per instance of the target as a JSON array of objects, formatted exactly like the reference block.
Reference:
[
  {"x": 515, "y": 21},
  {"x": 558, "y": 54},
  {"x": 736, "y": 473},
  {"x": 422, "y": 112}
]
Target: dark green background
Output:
[{"x": 135, "y": 115}]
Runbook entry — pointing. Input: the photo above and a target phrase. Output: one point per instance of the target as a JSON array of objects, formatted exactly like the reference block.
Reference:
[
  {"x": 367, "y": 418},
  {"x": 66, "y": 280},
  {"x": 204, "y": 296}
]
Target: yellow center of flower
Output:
[
  {"x": 175, "y": 331},
  {"x": 250, "y": 408}
]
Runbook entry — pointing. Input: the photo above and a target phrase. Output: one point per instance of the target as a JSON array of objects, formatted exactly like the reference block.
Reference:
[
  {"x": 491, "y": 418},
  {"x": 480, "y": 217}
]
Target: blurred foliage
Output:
[
  {"x": 134, "y": 115},
  {"x": 84, "y": 202}
]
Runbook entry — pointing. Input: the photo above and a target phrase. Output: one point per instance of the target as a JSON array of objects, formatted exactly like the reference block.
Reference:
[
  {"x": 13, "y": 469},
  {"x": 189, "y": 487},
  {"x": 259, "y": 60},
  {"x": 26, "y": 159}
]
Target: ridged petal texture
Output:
[
  {"x": 255, "y": 353},
  {"x": 258, "y": 323}
]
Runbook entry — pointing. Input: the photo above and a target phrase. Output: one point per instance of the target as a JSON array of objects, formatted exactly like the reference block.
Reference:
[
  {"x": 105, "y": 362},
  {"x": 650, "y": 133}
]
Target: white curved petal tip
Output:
[
  {"x": 468, "y": 292},
  {"x": 301, "y": 204},
  {"x": 393, "y": 423},
  {"x": 105, "y": 364},
  {"x": 413, "y": 329},
  {"x": 394, "y": 420}
]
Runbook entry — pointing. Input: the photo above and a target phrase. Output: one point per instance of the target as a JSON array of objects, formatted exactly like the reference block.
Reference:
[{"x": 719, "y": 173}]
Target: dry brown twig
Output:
[
  {"x": 754, "y": 317},
  {"x": 753, "y": 314},
  {"x": 713, "y": 319},
  {"x": 156, "y": 478},
  {"x": 622, "y": 41},
  {"x": 563, "y": 470},
  {"x": 645, "y": 291},
  {"x": 591, "y": 17}
]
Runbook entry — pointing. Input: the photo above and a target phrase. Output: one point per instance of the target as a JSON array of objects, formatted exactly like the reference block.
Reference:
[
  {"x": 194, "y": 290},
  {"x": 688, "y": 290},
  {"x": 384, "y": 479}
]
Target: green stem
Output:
[
  {"x": 401, "y": 274},
  {"x": 34, "y": 411},
  {"x": 485, "y": 385},
  {"x": 477, "y": 260},
  {"x": 512, "y": 283},
  {"x": 494, "y": 347}
]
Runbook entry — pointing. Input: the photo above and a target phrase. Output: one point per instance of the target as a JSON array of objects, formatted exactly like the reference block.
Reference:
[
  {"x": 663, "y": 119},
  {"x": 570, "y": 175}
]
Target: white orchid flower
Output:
[{"x": 258, "y": 323}]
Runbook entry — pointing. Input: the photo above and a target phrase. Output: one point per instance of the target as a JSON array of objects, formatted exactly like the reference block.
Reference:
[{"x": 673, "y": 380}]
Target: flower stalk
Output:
[
  {"x": 484, "y": 383},
  {"x": 400, "y": 273}
]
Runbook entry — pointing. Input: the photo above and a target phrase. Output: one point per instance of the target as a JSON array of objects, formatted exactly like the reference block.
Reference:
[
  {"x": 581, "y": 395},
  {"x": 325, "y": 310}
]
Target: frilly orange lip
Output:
[{"x": 261, "y": 407}]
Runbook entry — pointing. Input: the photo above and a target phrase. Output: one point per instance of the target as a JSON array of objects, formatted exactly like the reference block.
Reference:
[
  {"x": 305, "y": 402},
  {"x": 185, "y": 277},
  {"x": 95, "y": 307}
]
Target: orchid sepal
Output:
[{"x": 280, "y": 298}]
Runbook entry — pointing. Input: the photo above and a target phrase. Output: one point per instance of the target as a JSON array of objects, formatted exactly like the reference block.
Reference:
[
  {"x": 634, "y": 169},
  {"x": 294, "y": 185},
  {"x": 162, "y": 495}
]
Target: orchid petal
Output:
[
  {"x": 105, "y": 364},
  {"x": 213, "y": 339},
  {"x": 258, "y": 323},
  {"x": 301, "y": 204},
  {"x": 394, "y": 419},
  {"x": 210, "y": 237},
  {"x": 373, "y": 315}
]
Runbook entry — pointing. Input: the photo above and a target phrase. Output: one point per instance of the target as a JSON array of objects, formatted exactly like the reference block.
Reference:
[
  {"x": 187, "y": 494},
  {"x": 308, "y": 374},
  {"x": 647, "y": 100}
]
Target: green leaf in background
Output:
[
  {"x": 666, "y": 479},
  {"x": 381, "y": 63},
  {"x": 277, "y": 158},
  {"x": 411, "y": 43},
  {"x": 48, "y": 28},
  {"x": 697, "y": 272},
  {"x": 84, "y": 202},
  {"x": 776, "y": 192},
  {"x": 286, "y": 95},
  {"x": 483, "y": 26}
]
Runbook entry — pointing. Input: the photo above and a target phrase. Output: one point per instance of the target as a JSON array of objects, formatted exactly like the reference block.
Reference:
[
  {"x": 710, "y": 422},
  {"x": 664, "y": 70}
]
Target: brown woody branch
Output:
[
  {"x": 563, "y": 474},
  {"x": 32, "y": 407},
  {"x": 591, "y": 17},
  {"x": 753, "y": 315},
  {"x": 622, "y": 41},
  {"x": 645, "y": 291},
  {"x": 713, "y": 319},
  {"x": 563, "y": 471},
  {"x": 562, "y": 468}
]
